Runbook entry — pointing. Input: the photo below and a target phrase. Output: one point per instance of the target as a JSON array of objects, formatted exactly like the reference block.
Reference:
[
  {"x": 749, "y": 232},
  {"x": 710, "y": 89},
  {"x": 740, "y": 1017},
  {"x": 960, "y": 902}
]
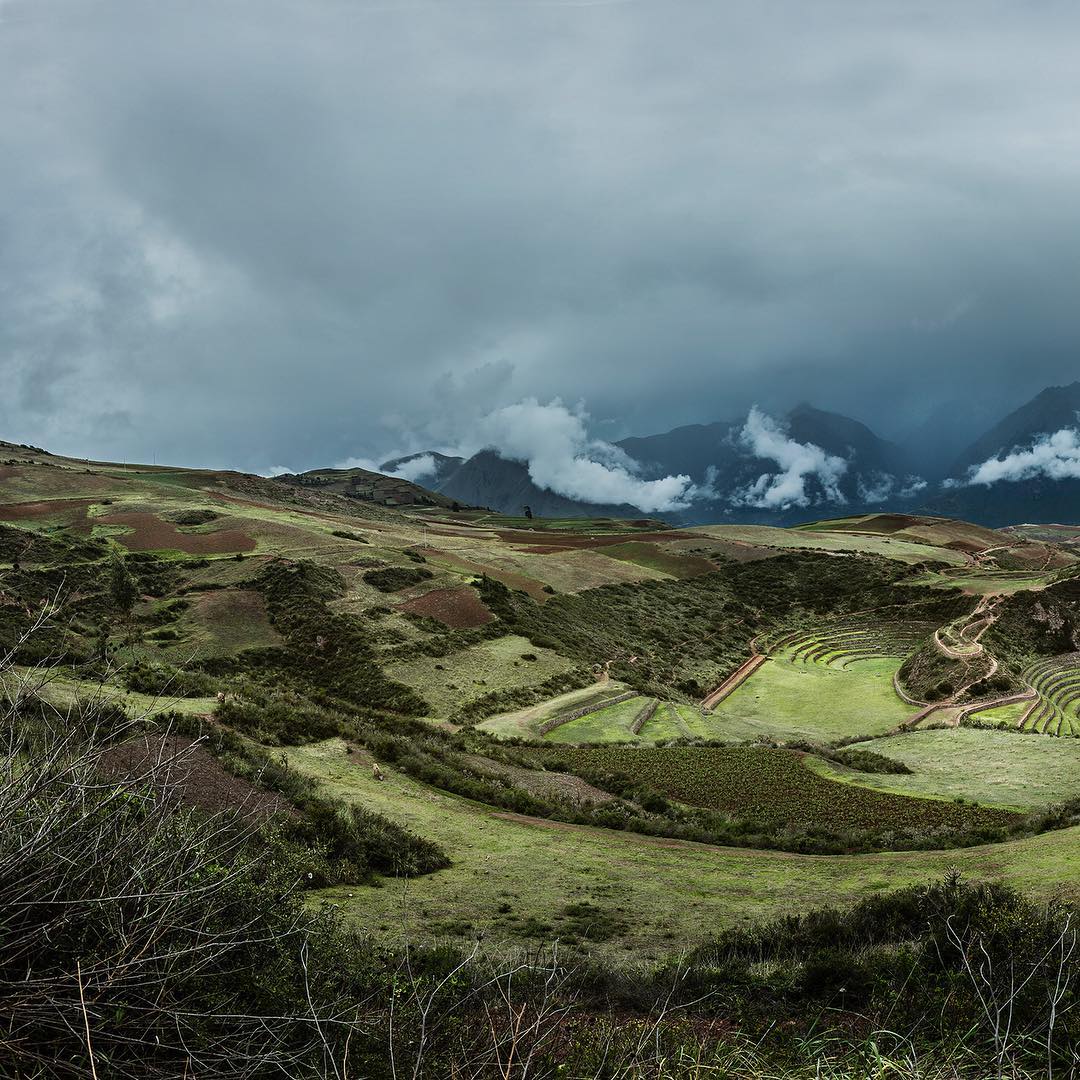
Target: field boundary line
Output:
[{"x": 733, "y": 681}]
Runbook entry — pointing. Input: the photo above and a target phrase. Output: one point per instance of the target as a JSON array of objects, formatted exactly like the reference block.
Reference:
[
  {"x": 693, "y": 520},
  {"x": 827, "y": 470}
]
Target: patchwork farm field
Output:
[
  {"x": 224, "y": 621},
  {"x": 980, "y": 582},
  {"x": 842, "y": 542},
  {"x": 1005, "y": 769}
]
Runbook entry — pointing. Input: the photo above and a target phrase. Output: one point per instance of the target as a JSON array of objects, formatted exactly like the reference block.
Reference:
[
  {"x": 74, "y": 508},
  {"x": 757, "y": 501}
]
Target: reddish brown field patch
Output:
[
  {"x": 459, "y": 608},
  {"x": 71, "y": 511},
  {"x": 192, "y": 775},
  {"x": 511, "y": 580},
  {"x": 152, "y": 533}
]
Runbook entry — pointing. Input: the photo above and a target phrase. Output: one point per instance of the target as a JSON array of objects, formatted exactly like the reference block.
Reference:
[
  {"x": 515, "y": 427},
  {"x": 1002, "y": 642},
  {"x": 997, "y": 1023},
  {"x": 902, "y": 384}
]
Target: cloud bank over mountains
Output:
[
  {"x": 879, "y": 487},
  {"x": 766, "y": 439},
  {"x": 759, "y": 465},
  {"x": 1055, "y": 457},
  {"x": 554, "y": 443},
  {"x": 416, "y": 470}
]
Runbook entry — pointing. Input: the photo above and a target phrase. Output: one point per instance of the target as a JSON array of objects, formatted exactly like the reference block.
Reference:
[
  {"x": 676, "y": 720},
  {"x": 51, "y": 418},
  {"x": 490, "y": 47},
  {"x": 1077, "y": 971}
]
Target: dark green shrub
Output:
[{"x": 393, "y": 578}]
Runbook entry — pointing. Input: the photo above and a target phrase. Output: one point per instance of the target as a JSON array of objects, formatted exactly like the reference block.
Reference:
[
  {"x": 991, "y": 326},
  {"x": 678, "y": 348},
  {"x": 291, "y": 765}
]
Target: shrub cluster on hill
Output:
[
  {"x": 393, "y": 578},
  {"x": 328, "y": 654},
  {"x": 679, "y": 634}
]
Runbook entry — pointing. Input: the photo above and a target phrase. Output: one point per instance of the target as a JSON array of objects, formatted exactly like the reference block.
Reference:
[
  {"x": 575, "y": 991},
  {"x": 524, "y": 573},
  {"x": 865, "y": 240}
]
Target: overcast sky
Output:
[{"x": 259, "y": 232}]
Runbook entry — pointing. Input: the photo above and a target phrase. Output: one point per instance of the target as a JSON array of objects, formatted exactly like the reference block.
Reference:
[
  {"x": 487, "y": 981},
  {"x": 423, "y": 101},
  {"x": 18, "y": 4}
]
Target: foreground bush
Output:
[{"x": 137, "y": 940}]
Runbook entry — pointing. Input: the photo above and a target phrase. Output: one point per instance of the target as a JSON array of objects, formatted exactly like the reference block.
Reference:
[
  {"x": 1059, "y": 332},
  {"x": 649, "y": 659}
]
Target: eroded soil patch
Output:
[
  {"x": 459, "y": 608},
  {"x": 152, "y": 533}
]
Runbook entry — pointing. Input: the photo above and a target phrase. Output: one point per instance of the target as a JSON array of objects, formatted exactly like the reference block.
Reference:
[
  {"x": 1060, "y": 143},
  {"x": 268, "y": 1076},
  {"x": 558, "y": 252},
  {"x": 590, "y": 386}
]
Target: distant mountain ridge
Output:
[
  {"x": 415, "y": 467},
  {"x": 1053, "y": 409},
  {"x": 906, "y": 475}
]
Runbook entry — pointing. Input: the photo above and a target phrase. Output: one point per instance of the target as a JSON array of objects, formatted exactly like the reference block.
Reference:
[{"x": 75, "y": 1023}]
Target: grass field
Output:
[
  {"x": 512, "y": 876},
  {"x": 667, "y": 723},
  {"x": 1007, "y": 716},
  {"x": 448, "y": 682},
  {"x": 611, "y": 724},
  {"x": 996, "y": 768},
  {"x": 525, "y": 723},
  {"x": 64, "y": 692},
  {"x": 817, "y": 540},
  {"x": 787, "y": 699},
  {"x": 608, "y": 724}
]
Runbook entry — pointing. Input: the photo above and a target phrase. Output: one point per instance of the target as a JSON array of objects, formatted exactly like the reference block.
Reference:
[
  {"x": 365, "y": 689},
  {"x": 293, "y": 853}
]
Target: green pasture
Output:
[
  {"x": 668, "y": 723},
  {"x": 790, "y": 700},
  {"x": 524, "y": 723},
  {"x": 1007, "y": 769},
  {"x": 1006, "y": 716},
  {"x": 670, "y": 894},
  {"x": 64, "y": 692},
  {"x": 608, "y": 724}
]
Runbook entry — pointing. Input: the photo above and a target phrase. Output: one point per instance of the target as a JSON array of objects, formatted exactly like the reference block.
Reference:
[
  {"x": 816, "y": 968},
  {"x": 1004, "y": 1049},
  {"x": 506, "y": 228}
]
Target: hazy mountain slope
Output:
[
  {"x": 847, "y": 438},
  {"x": 933, "y": 445},
  {"x": 688, "y": 450},
  {"x": 442, "y": 466},
  {"x": 1055, "y": 408},
  {"x": 1035, "y": 501}
]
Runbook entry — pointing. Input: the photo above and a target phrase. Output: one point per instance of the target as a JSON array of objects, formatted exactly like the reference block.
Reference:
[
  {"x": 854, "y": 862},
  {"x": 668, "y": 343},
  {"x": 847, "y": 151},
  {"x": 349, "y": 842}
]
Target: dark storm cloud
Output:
[{"x": 265, "y": 233}]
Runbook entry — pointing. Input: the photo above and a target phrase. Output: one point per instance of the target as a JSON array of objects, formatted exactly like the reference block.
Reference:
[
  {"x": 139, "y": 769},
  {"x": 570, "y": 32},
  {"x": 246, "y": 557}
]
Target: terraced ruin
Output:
[
  {"x": 1057, "y": 709},
  {"x": 847, "y": 641}
]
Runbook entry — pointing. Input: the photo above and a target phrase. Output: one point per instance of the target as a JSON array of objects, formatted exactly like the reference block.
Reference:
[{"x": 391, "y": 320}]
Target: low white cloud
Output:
[
  {"x": 416, "y": 470},
  {"x": 879, "y": 487},
  {"x": 370, "y": 464},
  {"x": 1056, "y": 457},
  {"x": 798, "y": 463},
  {"x": 275, "y": 470},
  {"x": 554, "y": 443}
]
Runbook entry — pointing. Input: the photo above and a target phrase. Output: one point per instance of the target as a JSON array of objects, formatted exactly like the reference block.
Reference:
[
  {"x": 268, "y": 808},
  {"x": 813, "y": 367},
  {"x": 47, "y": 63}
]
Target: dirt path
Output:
[{"x": 734, "y": 681}]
